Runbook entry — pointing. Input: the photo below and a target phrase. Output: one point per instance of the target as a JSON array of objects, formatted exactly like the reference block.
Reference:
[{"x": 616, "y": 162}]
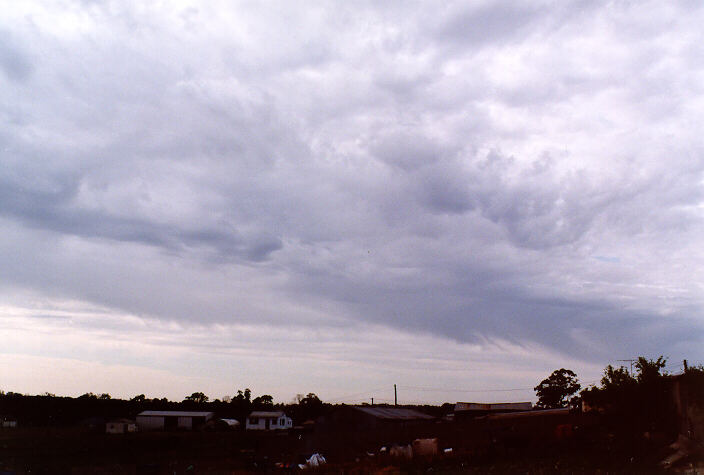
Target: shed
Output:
[
  {"x": 172, "y": 420},
  {"x": 268, "y": 420},
  {"x": 470, "y": 410},
  {"x": 366, "y": 427},
  {"x": 530, "y": 428}
]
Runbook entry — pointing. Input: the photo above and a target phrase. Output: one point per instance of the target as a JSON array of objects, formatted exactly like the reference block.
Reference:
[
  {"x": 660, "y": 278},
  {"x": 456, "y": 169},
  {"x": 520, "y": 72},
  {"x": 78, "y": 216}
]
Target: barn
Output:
[
  {"x": 172, "y": 420},
  {"x": 354, "y": 428},
  {"x": 469, "y": 410}
]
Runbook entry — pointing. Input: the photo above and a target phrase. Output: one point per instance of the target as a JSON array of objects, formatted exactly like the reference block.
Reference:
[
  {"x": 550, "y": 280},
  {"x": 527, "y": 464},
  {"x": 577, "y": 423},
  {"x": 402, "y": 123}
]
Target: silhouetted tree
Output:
[
  {"x": 650, "y": 370},
  {"x": 634, "y": 403},
  {"x": 556, "y": 389},
  {"x": 310, "y": 400},
  {"x": 243, "y": 396},
  {"x": 263, "y": 402},
  {"x": 309, "y": 407},
  {"x": 198, "y": 398}
]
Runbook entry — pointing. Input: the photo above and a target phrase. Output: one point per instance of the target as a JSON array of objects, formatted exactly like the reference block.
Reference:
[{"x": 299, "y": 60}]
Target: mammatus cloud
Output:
[{"x": 495, "y": 172}]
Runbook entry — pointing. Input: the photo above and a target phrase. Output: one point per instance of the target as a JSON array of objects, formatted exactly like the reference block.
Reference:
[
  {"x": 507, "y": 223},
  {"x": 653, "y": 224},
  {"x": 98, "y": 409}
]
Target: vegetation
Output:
[
  {"x": 556, "y": 389},
  {"x": 635, "y": 402}
]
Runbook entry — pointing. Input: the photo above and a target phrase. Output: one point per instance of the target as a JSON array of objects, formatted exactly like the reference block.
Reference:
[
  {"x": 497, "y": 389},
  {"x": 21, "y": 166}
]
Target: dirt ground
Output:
[{"x": 76, "y": 451}]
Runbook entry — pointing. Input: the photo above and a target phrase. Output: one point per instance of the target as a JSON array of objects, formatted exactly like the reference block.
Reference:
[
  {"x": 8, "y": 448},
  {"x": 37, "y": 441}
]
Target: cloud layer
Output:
[{"x": 527, "y": 173}]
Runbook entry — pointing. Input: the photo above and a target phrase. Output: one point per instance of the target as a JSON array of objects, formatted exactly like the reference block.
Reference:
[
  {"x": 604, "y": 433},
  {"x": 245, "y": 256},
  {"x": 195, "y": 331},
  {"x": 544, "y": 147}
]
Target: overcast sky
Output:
[{"x": 457, "y": 197}]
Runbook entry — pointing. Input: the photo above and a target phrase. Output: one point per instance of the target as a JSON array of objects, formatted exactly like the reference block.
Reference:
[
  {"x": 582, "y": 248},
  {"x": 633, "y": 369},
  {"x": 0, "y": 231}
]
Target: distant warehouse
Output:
[
  {"x": 172, "y": 420},
  {"x": 470, "y": 410}
]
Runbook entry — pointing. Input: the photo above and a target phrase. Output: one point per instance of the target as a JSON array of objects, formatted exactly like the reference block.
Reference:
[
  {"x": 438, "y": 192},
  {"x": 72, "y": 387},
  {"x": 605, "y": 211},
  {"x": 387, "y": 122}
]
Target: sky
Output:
[{"x": 335, "y": 197}]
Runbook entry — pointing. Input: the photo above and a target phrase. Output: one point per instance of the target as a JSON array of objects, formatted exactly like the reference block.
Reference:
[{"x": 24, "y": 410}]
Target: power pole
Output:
[
  {"x": 396, "y": 396},
  {"x": 684, "y": 362},
  {"x": 372, "y": 401}
]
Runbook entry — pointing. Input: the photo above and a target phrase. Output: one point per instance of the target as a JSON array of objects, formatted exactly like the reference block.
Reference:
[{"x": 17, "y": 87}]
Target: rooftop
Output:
[
  {"x": 501, "y": 406},
  {"x": 534, "y": 413},
  {"x": 267, "y": 414},
  {"x": 175, "y": 413},
  {"x": 393, "y": 413}
]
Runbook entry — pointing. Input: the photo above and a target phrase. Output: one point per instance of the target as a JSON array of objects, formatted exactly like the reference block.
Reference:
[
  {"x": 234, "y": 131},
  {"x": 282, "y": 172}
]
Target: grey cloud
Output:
[
  {"x": 14, "y": 61},
  {"x": 407, "y": 151},
  {"x": 355, "y": 165},
  {"x": 490, "y": 23}
]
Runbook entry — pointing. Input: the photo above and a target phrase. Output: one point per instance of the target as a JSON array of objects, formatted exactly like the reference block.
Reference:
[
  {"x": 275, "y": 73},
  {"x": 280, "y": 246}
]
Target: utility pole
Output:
[
  {"x": 630, "y": 361},
  {"x": 372, "y": 401},
  {"x": 684, "y": 362},
  {"x": 396, "y": 396}
]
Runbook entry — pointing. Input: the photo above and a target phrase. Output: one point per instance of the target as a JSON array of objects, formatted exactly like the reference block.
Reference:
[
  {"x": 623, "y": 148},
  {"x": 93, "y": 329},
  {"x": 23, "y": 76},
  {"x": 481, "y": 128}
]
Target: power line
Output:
[
  {"x": 363, "y": 396},
  {"x": 420, "y": 388},
  {"x": 355, "y": 395},
  {"x": 493, "y": 390}
]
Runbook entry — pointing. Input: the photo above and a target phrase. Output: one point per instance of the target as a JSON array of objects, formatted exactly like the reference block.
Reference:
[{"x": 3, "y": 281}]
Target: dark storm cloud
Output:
[{"x": 459, "y": 170}]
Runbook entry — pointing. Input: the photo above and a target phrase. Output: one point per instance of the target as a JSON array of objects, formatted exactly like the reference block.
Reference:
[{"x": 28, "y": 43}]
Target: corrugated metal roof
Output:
[
  {"x": 535, "y": 413},
  {"x": 393, "y": 413},
  {"x": 267, "y": 414},
  {"x": 175, "y": 413},
  {"x": 501, "y": 406}
]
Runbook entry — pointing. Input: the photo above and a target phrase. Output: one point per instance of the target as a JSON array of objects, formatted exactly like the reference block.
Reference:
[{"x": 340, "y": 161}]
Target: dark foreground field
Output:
[{"x": 76, "y": 451}]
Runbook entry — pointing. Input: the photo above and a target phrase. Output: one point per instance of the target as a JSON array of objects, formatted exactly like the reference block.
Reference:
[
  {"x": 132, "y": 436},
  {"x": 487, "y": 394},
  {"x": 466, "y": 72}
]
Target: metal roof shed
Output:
[{"x": 172, "y": 420}]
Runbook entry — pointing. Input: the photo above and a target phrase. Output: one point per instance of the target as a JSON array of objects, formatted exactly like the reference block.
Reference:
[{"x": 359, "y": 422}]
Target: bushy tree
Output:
[
  {"x": 634, "y": 402},
  {"x": 650, "y": 370},
  {"x": 556, "y": 389},
  {"x": 264, "y": 401},
  {"x": 198, "y": 398},
  {"x": 616, "y": 378},
  {"x": 243, "y": 397},
  {"x": 139, "y": 398}
]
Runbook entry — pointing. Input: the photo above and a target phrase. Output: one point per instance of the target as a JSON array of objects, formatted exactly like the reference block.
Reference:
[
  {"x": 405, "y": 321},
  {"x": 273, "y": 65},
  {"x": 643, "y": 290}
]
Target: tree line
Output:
[
  {"x": 48, "y": 409},
  {"x": 637, "y": 401}
]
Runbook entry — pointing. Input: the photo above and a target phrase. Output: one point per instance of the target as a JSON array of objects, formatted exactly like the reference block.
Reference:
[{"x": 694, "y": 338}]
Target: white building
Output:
[
  {"x": 7, "y": 422},
  {"x": 268, "y": 420},
  {"x": 172, "y": 420},
  {"x": 120, "y": 426}
]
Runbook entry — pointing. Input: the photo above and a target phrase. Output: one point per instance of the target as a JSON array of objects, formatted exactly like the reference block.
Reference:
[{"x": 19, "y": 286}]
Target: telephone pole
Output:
[{"x": 396, "y": 396}]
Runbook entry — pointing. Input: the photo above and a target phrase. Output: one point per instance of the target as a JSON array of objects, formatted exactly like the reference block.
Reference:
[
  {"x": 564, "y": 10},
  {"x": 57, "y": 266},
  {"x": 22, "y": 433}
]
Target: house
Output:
[
  {"x": 172, "y": 420},
  {"x": 469, "y": 410},
  {"x": 120, "y": 426},
  {"x": 268, "y": 420}
]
